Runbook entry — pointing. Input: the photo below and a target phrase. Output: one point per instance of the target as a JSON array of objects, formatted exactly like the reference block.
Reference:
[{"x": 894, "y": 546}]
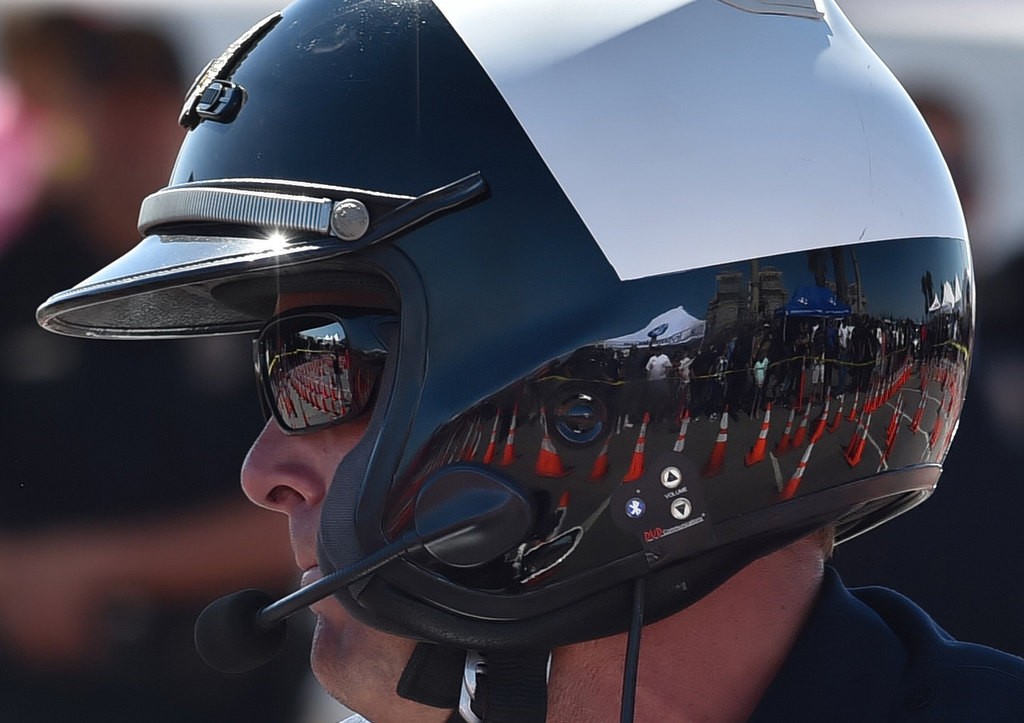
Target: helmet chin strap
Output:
[
  {"x": 504, "y": 686},
  {"x": 496, "y": 687},
  {"x": 629, "y": 673}
]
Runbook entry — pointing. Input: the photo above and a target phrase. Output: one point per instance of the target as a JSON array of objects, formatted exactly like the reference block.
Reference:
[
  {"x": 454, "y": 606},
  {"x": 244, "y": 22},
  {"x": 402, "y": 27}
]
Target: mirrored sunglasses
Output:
[{"x": 319, "y": 367}]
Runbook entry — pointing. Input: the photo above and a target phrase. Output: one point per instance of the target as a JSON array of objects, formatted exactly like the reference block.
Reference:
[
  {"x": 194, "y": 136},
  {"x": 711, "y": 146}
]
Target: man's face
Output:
[{"x": 358, "y": 665}]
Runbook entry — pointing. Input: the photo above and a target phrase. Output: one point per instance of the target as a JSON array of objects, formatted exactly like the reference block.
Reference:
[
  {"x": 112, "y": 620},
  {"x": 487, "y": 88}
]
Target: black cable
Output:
[{"x": 632, "y": 666}]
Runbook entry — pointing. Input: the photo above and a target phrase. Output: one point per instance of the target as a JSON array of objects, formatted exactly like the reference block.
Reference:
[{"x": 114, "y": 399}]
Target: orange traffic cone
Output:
[
  {"x": 600, "y": 468},
  {"x": 560, "y": 509},
  {"x": 801, "y": 431},
  {"x": 492, "y": 446},
  {"x": 472, "y": 444},
  {"x": 717, "y": 459},
  {"x": 839, "y": 416},
  {"x": 636, "y": 465},
  {"x": 790, "y": 489},
  {"x": 915, "y": 423},
  {"x": 871, "y": 400},
  {"x": 681, "y": 439},
  {"x": 756, "y": 453},
  {"x": 855, "y": 450},
  {"x": 894, "y": 421},
  {"x": 853, "y": 409},
  {"x": 549, "y": 464},
  {"x": 936, "y": 429},
  {"x": 785, "y": 443},
  {"x": 822, "y": 421},
  {"x": 508, "y": 455},
  {"x": 893, "y": 431}
]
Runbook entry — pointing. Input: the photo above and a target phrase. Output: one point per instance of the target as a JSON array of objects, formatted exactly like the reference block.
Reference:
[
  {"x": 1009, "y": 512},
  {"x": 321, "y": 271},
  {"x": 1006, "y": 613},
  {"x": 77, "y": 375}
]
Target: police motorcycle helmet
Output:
[{"x": 690, "y": 277}]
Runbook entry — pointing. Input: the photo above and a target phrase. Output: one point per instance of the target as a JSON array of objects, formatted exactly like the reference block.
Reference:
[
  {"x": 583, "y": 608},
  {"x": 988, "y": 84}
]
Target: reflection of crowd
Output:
[
  {"x": 788, "y": 362},
  {"x": 916, "y": 553}
]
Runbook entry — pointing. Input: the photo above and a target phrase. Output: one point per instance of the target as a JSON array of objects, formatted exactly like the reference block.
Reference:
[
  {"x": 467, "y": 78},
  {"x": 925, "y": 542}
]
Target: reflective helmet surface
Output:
[{"x": 692, "y": 274}]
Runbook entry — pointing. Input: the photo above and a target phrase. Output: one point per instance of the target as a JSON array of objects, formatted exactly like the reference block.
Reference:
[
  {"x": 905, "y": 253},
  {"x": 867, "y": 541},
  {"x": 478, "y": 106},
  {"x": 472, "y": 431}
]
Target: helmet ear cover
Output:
[
  {"x": 607, "y": 612},
  {"x": 669, "y": 588}
]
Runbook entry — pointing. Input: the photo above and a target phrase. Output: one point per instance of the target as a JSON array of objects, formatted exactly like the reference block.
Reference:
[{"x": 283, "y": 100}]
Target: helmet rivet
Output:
[{"x": 349, "y": 219}]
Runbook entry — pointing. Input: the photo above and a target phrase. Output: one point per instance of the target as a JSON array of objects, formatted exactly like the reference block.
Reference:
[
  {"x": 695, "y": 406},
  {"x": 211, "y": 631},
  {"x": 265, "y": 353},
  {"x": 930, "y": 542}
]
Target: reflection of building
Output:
[
  {"x": 858, "y": 302},
  {"x": 729, "y": 304},
  {"x": 737, "y": 300},
  {"x": 773, "y": 295}
]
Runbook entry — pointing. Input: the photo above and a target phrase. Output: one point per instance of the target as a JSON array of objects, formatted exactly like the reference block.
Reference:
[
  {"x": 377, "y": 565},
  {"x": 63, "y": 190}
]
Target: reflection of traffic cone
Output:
[
  {"x": 794, "y": 482},
  {"x": 600, "y": 468},
  {"x": 549, "y": 464},
  {"x": 717, "y": 459},
  {"x": 915, "y": 423},
  {"x": 492, "y": 445},
  {"x": 936, "y": 429},
  {"x": 871, "y": 402},
  {"x": 838, "y": 418},
  {"x": 822, "y": 421},
  {"x": 756, "y": 453},
  {"x": 855, "y": 450},
  {"x": 894, "y": 421},
  {"x": 636, "y": 465},
  {"x": 472, "y": 443},
  {"x": 563, "y": 505},
  {"x": 681, "y": 439},
  {"x": 801, "y": 431},
  {"x": 853, "y": 409},
  {"x": 785, "y": 443},
  {"x": 893, "y": 430},
  {"x": 508, "y": 455}
]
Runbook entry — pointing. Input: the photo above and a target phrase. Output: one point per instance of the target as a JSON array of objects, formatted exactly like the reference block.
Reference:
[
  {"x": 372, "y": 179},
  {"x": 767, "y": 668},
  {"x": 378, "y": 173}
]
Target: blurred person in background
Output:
[
  {"x": 983, "y": 470},
  {"x": 108, "y": 552},
  {"x": 23, "y": 160}
]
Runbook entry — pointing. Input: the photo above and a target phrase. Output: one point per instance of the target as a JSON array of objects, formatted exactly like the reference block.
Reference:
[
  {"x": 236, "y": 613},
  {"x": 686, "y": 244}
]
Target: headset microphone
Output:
[{"x": 465, "y": 516}]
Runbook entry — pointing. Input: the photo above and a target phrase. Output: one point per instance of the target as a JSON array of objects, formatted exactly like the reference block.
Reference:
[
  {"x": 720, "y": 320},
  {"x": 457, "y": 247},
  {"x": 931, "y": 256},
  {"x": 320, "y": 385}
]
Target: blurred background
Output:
[{"x": 122, "y": 514}]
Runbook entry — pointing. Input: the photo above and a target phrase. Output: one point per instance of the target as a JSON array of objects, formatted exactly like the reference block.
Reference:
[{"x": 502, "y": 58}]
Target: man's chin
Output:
[
  {"x": 328, "y": 658},
  {"x": 360, "y": 667}
]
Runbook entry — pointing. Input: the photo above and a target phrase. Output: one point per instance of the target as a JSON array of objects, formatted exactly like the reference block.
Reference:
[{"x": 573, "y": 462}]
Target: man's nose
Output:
[{"x": 282, "y": 472}]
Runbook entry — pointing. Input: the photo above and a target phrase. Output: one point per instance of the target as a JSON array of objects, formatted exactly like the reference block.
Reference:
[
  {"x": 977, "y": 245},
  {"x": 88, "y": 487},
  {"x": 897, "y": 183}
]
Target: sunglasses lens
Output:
[{"x": 319, "y": 369}]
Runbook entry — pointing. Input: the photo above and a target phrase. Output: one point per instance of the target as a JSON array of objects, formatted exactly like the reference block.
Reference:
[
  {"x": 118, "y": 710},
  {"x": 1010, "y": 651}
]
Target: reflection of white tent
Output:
[
  {"x": 675, "y": 326},
  {"x": 952, "y": 294},
  {"x": 947, "y": 296}
]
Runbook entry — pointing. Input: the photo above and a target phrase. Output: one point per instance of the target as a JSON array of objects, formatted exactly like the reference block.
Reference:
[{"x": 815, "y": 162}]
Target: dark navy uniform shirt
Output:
[{"x": 870, "y": 654}]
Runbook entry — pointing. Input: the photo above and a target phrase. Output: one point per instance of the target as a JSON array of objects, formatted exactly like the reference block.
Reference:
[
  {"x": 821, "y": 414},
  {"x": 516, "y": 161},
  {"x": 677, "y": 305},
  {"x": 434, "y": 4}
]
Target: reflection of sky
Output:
[
  {"x": 890, "y": 273},
  {"x": 331, "y": 331}
]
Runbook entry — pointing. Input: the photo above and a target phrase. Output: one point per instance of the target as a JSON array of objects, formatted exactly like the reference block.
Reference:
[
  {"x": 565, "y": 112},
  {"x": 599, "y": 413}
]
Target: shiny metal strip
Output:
[{"x": 262, "y": 209}]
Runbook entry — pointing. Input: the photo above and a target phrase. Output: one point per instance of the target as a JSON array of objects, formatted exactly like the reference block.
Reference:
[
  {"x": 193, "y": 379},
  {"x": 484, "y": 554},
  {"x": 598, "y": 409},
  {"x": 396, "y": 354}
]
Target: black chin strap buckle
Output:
[
  {"x": 505, "y": 687},
  {"x": 496, "y": 687}
]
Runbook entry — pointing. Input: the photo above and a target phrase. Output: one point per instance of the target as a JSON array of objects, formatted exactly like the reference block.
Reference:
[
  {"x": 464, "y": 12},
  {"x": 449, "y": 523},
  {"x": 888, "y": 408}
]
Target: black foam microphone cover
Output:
[{"x": 229, "y": 637}]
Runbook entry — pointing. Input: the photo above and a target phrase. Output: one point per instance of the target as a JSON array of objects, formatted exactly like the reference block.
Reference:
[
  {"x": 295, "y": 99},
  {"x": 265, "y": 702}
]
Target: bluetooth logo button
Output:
[{"x": 635, "y": 508}]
